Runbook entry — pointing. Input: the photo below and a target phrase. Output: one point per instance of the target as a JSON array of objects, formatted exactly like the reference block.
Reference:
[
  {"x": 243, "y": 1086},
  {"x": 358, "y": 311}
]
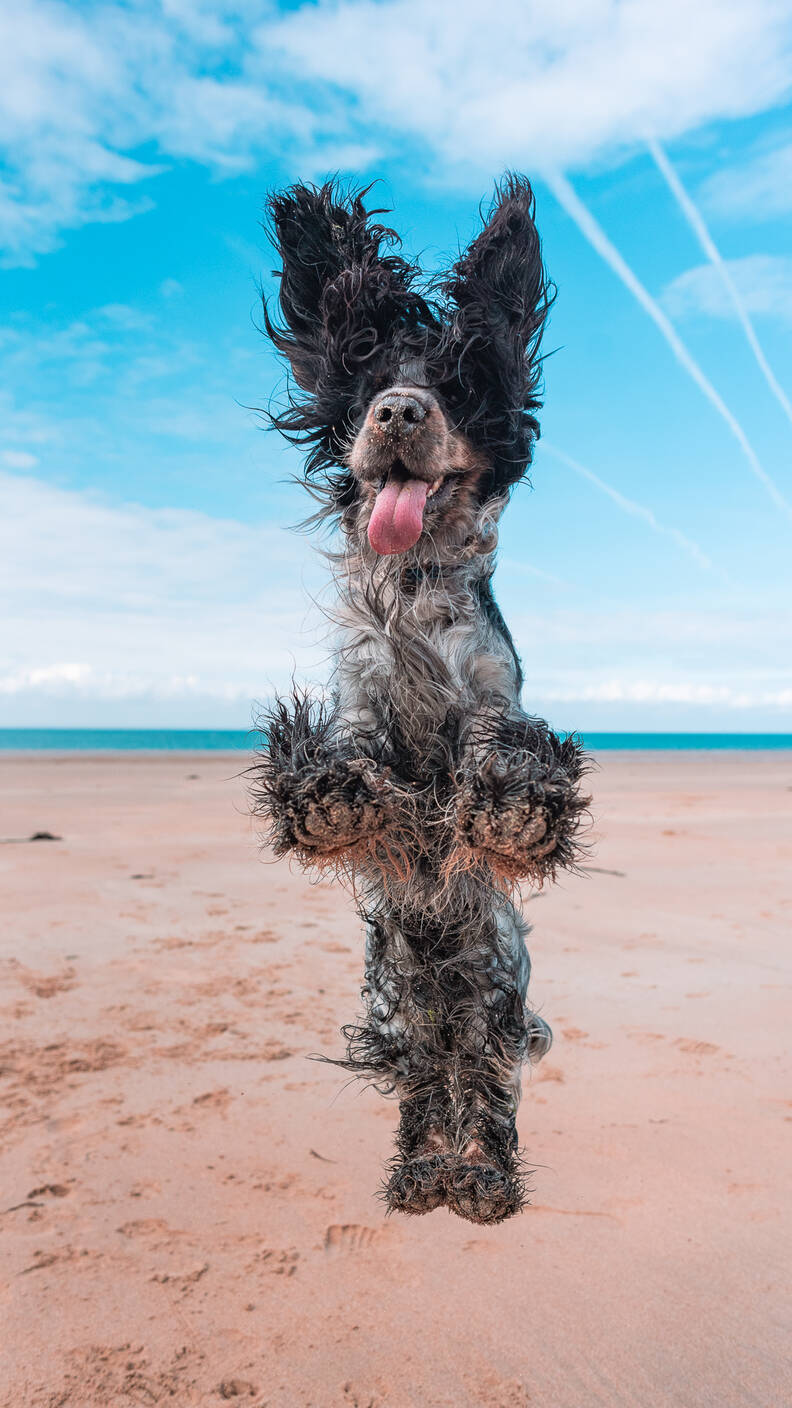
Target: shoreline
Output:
[
  {"x": 153, "y": 755},
  {"x": 235, "y": 742}
]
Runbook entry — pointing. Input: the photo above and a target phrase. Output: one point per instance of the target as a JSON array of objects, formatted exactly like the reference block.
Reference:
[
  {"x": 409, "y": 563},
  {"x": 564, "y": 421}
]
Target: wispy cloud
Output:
[
  {"x": 120, "y": 612},
  {"x": 763, "y": 283},
  {"x": 594, "y": 233},
  {"x": 541, "y": 84},
  {"x": 665, "y": 691},
  {"x": 104, "y": 600},
  {"x": 118, "y": 378},
  {"x": 757, "y": 189},
  {"x": 84, "y": 90},
  {"x": 724, "y": 273},
  {"x": 629, "y": 506},
  {"x": 18, "y": 459}
]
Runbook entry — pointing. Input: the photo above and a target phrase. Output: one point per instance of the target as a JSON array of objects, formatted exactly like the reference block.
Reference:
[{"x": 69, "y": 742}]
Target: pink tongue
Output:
[{"x": 397, "y": 520}]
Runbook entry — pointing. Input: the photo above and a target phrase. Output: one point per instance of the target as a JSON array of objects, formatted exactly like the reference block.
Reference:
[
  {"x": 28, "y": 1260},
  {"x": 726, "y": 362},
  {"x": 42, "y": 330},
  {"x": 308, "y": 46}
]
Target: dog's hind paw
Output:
[
  {"x": 483, "y": 1193},
  {"x": 417, "y": 1185}
]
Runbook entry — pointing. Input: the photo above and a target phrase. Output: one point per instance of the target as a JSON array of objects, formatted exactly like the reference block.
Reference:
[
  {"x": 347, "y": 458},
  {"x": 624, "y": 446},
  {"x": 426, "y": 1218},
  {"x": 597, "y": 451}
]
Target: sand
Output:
[{"x": 188, "y": 1209}]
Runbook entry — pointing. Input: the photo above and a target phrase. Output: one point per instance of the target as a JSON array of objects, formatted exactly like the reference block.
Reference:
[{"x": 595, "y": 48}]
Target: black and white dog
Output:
[{"x": 419, "y": 776}]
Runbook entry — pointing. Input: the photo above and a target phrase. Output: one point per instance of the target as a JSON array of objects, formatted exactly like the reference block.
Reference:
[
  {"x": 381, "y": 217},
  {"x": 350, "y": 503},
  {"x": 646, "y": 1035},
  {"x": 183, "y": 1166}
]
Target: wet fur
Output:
[{"x": 418, "y": 778}]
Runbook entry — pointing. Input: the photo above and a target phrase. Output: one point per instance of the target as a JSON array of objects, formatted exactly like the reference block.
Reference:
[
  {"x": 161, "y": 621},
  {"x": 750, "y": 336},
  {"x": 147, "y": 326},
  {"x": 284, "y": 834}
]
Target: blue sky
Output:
[{"x": 147, "y": 571}]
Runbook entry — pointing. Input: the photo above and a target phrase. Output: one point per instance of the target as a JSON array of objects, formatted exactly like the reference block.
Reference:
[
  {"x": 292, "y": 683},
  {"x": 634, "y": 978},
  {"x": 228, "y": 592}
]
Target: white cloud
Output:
[
  {"x": 659, "y": 691},
  {"x": 543, "y": 85},
  {"x": 116, "y": 367},
  {"x": 757, "y": 189},
  {"x": 84, "y": 90},
  {"x": 24, "y": 426},
  {"x": 124, "y": 613},
  {"x": 763, "y": 282},
  {"x": 658, "y": 668},
  {"x": 18, "y": 459},
  {"x": 81, "y": 91},
  {"x": 109, "y": 602}
]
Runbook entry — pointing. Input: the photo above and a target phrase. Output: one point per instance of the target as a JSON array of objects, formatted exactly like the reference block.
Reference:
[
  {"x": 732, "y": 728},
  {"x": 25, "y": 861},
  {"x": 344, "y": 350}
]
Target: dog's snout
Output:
[
  {"x": 403, "y": 429},
  {"x": 399, "y": 412}
]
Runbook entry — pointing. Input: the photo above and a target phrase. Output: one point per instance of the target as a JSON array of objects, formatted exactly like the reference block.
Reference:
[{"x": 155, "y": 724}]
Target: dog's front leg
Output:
[
  {"x": 323, "y": 796},
  {"x": 519, "y": 802}
]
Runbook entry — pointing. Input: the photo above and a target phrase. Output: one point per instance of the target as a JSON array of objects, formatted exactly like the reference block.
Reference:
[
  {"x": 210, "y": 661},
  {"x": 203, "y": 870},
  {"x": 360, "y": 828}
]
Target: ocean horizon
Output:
[{"x": 169, "y": 740}]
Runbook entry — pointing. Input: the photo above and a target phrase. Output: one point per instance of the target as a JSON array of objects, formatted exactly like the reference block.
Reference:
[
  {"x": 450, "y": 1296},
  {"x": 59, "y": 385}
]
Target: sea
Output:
[{"x": 189, "y": 740}]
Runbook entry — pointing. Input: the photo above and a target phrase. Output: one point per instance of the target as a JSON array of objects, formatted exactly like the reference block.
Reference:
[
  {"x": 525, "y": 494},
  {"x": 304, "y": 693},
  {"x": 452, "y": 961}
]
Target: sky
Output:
[{"x": 149, "y": 571}]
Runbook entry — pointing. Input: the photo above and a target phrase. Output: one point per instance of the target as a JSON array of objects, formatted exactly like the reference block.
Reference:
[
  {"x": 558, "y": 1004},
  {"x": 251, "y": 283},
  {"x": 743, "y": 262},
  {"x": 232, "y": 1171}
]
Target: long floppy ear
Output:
[
  {"x": 350, "y": 315},
  {"x": 487, "y": 362}
]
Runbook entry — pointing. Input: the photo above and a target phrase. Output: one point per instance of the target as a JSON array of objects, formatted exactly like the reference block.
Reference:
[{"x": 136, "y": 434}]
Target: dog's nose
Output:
[{"x": 399, "y": 412}]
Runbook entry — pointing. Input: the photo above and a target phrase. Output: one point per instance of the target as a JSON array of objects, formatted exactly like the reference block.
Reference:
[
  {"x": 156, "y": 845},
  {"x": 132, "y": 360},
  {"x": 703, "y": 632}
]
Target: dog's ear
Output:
[
  {"x": 488, "y": 364},
  {"x": 322, "y": 237},
  {"x": 350, "y": 313}
]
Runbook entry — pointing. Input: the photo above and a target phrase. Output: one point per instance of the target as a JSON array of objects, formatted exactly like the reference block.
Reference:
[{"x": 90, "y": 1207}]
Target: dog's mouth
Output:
[{"x": 397, "y": 519}]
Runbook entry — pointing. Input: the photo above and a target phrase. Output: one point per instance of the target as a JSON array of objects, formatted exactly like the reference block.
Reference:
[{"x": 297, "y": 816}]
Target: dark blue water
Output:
[
  {"x": 127, "y": 740},
  {"x": 200, "y": 740}
]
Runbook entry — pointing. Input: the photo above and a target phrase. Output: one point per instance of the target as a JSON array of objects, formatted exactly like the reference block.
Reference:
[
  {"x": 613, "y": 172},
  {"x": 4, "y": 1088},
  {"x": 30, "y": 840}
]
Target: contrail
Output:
[
  {"x": 696, "y": 222},
  {"x": 596, "y": 236},
  {"x": 631, "y": 507}
]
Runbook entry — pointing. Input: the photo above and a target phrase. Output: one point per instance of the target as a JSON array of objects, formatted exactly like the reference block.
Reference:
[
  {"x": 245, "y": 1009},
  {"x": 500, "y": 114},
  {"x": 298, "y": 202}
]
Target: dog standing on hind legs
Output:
[{"x": 419, "y": 776}]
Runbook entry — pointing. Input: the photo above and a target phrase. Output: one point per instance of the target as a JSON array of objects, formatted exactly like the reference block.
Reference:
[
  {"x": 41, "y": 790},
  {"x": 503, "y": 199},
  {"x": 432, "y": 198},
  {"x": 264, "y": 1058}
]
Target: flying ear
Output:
[
  {"x": 342, "y": 295},
  {"x": 349, "y": 310},
  {"x": 497, "y": 299}
]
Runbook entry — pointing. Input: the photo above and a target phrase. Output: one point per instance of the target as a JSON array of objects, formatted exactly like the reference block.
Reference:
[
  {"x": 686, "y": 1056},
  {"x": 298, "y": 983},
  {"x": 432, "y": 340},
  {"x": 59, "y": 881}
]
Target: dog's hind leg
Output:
[
  {"x": 420, "y": 1167},
  {"x": 399, "y": 1047},
  {"x": 497, "y": 1033}
]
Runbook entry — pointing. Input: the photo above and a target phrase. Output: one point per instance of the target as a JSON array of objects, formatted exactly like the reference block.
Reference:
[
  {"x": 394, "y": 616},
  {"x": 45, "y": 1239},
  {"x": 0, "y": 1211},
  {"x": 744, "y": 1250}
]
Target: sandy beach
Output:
[{"x": 188, "y": 1202}]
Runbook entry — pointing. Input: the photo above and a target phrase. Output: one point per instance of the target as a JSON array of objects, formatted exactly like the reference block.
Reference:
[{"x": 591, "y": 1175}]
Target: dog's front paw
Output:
[
  {"x": 519, "y": 815},
  {"x": 332, "y": 808}
]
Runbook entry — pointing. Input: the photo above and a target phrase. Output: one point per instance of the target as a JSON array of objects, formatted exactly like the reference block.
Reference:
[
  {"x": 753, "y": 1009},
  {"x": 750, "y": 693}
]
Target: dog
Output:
[{"x": 417, "y": 776}]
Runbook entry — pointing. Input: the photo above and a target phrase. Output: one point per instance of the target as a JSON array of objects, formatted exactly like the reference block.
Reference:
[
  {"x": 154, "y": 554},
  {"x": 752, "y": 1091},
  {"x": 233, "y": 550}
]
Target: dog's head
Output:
[{"x": 417, "y": 406}]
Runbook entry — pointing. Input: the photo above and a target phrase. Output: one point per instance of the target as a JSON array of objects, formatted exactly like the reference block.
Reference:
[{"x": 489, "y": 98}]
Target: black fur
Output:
[
  {"x": 486, "y": 364},
  {"x": 418, "y": 777},
  {"x": 351, "y": 314},
  {"x": 354, "y": 312}
]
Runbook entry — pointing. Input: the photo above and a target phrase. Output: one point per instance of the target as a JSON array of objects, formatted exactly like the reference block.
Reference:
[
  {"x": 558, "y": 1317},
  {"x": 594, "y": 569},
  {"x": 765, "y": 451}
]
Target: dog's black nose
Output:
[{"x": 399, "y": 412}]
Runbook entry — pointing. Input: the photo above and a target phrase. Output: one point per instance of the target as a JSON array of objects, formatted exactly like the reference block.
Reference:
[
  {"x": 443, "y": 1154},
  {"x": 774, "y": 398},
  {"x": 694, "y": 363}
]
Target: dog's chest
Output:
[{"x": 433, "y": 653}]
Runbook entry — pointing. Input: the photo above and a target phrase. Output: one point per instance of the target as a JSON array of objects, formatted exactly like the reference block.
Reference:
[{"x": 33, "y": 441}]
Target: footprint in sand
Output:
[
  {"x": 236, "y": 1388},
  {"x": 42, "y": 986},
  {"x": 217, "y": 1099},
  {"x": 50, "y": 1190},
  {"x": 123, "y": 1373},
  {"x": 181, "y": 1279},
  {"x": 347, "y": 1238},
  {"x": 696, "y": 1048},
  {"x": 359, "y": 1398},
  {"x": 279, "y": 1262},
  {"x": 153, "y": 1229},
  {"x": 493, "y": 1392}
]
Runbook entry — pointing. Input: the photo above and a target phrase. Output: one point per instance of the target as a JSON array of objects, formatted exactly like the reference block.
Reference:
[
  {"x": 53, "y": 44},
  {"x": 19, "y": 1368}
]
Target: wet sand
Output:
[{"x": 188, "y": 1209}]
